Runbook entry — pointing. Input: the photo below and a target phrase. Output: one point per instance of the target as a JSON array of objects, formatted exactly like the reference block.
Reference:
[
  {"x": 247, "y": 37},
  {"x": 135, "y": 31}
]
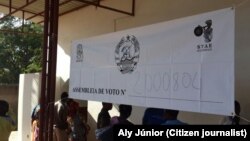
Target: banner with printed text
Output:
[{"x": 185, "y": 64}]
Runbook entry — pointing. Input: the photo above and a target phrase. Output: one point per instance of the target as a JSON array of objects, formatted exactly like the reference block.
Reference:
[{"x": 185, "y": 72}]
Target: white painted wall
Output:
[{"x": 29, "y": 88}]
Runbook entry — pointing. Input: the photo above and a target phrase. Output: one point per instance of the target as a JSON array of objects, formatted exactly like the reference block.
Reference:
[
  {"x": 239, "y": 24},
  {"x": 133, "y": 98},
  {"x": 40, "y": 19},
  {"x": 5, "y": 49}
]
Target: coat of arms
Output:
[{"x": 127, "y": 54}]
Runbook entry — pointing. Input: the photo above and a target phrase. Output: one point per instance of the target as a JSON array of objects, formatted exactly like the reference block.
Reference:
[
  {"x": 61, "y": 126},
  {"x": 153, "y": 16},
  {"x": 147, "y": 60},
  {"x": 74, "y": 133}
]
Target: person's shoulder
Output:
[
  {"x": 105, "y": 134},
  {"x": 155, "y": 120},
  {"x": 114, "y": 120},
  {"x": 57, "y": 102},
  {"x": 7, "y": 122},
  {"x": 125, "y": 122},
  {"x": 129, "y": 122}
]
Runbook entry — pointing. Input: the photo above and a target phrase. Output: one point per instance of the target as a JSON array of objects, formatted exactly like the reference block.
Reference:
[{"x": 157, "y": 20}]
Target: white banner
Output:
[{"x": 185, "y": 64}]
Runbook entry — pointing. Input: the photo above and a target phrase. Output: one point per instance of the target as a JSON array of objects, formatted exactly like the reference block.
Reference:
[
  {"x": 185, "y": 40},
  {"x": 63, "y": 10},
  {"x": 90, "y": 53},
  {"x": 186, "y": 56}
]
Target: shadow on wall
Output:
[{"x": 61, "y": 86}]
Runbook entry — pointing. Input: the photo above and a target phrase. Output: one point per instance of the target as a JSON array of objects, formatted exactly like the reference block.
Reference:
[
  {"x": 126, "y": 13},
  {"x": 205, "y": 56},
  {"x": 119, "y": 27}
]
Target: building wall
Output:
[
  {"x": 29, "y": 88},
  {"x": 92, "y": 21},
  {"x": 10, "y": 94}
]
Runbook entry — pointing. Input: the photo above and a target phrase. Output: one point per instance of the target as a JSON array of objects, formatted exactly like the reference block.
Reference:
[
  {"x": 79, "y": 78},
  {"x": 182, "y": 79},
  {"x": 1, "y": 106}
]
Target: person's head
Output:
[
  {"x": 36, "y": 113},
  {"x": 64, "y": 96},
  {"x": 107, "y": 106},
  {"x": 125, "y": 110},
  {"x": 4, "y": 107},
  {"x": 171, "y": 114},
  {"x": 73, "y": 107}
]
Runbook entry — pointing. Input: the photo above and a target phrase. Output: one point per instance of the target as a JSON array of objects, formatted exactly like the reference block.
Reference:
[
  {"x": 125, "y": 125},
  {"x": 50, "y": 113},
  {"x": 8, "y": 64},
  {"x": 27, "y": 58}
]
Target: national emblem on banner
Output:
[{"x": 127, "y": 54}]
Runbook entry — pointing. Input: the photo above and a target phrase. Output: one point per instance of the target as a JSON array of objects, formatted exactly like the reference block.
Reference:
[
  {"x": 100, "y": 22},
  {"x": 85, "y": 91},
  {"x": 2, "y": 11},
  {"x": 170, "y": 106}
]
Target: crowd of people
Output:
[
  {"x": 70, "y": 126},
  {"x": 105, "y": 122}
]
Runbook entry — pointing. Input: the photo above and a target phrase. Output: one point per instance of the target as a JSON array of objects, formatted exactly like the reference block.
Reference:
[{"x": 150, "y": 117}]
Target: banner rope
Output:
[{"x": 242, "y": 118}]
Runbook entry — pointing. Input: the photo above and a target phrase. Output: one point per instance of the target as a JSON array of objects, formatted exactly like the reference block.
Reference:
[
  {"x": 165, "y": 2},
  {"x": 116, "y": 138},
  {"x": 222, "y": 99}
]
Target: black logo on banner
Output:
[
  {"x": 207, "y": 32},
  {"x": 79, "y": 53},
  {"x": 127, "y": 54}
]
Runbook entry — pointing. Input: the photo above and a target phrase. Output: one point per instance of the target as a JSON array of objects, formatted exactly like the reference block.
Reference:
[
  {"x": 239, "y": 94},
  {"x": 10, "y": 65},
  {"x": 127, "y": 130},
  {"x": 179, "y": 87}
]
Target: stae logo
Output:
[
  {"x": 127, "y": 54},
  {"x": 207, "y": 32}
]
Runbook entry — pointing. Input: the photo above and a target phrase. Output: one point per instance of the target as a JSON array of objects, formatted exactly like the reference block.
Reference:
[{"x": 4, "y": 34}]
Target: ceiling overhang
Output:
[{"x": 33, "y": 10}]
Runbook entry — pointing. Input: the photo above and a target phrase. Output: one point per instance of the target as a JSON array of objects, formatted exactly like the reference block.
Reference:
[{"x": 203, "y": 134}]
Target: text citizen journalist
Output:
[
  {"x": 205, "y": 133},
  {"x": 182, "y": 132}
]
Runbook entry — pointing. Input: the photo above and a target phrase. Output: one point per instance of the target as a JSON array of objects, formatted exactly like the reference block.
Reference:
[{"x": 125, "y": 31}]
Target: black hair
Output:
[
  {"x": 125, "y": 110},
  {"x": 64, "y": 95},
  {"x": 4, "y": 107},
  {"x": 172, "y": 113}
]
